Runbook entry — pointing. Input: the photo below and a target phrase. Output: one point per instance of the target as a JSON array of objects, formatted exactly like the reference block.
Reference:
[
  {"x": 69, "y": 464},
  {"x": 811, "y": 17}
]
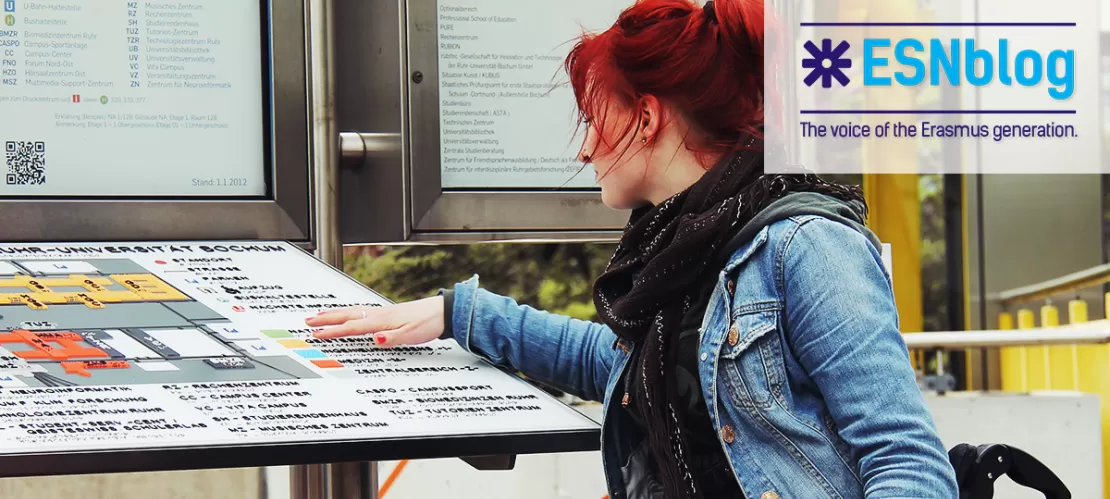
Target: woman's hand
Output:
[{"x": 409, "y": 323}]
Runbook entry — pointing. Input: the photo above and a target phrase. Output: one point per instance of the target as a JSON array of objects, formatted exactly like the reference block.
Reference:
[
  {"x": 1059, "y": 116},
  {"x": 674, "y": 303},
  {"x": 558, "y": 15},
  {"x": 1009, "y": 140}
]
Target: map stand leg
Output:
[
  {"x": 491, "y": 463},
  {"x": 307, "y": 482},
  {"x": 334, "y": 481},
  {"x": 353, "y": 480}
]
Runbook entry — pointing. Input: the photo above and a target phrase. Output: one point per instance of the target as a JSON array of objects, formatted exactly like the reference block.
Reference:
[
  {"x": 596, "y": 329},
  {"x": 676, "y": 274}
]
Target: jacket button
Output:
[
  {"x": 770, "y": 494},
  {"x": 727, "y": 434},
  {"x": 733, "y": 336}
]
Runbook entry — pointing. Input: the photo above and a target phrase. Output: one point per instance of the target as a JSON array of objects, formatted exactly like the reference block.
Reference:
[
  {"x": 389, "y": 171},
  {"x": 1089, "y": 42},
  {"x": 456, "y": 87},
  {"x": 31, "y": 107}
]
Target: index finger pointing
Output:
[
  {"x": 347, "y": 328},
  {"x": 337, "y": 316}
]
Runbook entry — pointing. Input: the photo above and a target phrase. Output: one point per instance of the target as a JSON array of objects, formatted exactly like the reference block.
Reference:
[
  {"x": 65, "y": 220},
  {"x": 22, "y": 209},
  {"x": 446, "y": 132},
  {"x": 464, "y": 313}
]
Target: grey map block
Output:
[
  {"x": 96, "y": 339},
  {"x": 118, "y": 267},
  {"x": 112, "y": 266},
  {"x": 78, "y": 316},
  {"x": 189, "y": 371},
  {"x": 194, "y": 311},
  {"x": 230, "y": 363},
  {"x": 150, "y": 342}
]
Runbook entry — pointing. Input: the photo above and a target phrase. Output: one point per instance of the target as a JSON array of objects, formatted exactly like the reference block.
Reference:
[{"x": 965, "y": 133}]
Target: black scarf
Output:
[{"x": 661, "y": 262}]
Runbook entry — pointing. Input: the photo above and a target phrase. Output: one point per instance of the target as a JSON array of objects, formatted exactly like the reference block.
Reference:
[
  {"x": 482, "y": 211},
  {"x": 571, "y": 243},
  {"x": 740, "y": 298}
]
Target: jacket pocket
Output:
[{"x": 751, "y": 359}]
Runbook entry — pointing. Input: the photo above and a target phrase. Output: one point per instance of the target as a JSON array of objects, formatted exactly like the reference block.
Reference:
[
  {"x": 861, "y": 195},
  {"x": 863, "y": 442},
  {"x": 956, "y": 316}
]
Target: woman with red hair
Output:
[{"x": 748, "y": 341}]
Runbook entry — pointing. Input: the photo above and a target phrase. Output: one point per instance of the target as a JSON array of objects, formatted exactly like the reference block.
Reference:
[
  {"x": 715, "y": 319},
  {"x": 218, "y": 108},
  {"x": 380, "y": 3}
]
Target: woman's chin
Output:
[
  {"x": 609, "y": 201},
  {"x": 616, "y": 201}
]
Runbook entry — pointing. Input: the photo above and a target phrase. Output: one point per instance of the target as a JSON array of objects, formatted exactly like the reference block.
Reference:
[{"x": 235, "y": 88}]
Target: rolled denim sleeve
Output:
[
  {"x": 842, "y": 323},
  {"x": 572, "y": 355}
]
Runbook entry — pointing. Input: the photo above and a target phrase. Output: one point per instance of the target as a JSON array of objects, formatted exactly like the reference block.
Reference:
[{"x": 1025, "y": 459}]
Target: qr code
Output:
[{"x": 26, "y": 162}]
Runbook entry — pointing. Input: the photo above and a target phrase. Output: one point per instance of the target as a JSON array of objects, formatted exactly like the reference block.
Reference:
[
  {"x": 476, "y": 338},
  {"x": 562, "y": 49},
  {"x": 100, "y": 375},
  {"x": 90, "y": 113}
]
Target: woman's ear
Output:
[{"x": 651, "y": 117}]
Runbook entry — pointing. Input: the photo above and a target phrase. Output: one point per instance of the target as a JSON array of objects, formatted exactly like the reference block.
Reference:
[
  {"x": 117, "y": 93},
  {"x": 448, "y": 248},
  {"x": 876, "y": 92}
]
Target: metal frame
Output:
[
  {"x": 436, "y": 210},
  {"x": 284, "y": 454},
  {"x": 392, "y": 190},
  {"x": 287, "y": 215},
  {"x": 1083, "y": 279},
  {"x": 368, "y": 97}
]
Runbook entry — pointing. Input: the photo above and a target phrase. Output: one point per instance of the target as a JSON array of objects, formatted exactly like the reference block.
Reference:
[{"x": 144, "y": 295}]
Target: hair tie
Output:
[{"x": 709, "y": 12}]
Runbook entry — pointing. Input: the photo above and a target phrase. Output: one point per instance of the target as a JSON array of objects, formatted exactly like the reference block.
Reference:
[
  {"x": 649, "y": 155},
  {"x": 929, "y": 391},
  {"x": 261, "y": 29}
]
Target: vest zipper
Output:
[{"x": 604, "y": 425}]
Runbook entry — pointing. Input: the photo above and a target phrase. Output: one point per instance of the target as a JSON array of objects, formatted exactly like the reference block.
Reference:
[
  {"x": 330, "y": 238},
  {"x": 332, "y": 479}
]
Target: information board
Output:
[
  {"x": 116, "y": 98},
  {"x": 507, "y": 112},
  {"x": 134, "y": 346}
]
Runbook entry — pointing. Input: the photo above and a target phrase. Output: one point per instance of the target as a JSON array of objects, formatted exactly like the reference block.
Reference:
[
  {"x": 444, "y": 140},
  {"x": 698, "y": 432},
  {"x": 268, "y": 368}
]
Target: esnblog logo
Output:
[
  {"x": 935, "y": 62},
  {"x": 827, "y": 63}
]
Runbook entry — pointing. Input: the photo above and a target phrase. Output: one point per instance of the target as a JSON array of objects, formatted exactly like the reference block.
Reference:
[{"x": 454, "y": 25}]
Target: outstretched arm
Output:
[
  {"x": 569, "y": 354},
  {"x": 843, "y": 327}
]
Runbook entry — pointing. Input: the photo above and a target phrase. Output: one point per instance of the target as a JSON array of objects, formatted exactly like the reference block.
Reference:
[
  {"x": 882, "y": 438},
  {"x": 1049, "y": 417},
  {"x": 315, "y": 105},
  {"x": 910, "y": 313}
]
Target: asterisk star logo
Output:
[{"x": 826, "y": 63}]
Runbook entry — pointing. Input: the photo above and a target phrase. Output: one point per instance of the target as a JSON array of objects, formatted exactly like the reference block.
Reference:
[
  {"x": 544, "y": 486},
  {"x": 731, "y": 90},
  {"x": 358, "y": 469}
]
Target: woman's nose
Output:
[{"x": 586, "y": 149}]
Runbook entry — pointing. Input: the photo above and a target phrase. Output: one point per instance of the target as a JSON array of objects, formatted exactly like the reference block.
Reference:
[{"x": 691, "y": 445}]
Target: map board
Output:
[
  {"x": 507, "y": 113},
  {"x": 90, "y": 79},
  {"x": 129, "y": 346},
  {"x": 192, "y": 106}
]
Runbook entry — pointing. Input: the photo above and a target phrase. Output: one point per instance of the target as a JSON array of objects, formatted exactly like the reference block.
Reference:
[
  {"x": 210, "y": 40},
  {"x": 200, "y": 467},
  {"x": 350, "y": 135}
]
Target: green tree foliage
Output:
[{"x": 553, "y": 277}]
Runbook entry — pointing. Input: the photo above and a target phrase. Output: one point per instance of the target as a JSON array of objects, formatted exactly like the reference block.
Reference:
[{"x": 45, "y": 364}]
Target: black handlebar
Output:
[{"x": 978, "y": 467}]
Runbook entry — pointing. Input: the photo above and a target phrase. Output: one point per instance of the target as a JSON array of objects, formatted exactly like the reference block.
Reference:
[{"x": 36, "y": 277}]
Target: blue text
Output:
[{"x": 1028, "y": 67}]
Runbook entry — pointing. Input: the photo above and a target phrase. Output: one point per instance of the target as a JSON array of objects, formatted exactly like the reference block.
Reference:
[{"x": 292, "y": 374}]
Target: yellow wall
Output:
[{"x": 895, "y": 216}]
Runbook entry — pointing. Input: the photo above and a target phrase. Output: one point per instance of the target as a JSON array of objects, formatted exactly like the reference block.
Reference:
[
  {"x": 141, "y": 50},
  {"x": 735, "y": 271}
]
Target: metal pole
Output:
[
  {"x": 325, "y": 139},
  {"x": 340, "y": 480},
  {"x": 308, "y": 482}
]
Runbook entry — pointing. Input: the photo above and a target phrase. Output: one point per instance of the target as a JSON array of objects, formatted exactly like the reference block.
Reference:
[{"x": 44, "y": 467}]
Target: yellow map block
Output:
[
  {"x": 38, "y": 293},
  {"x": 116, "y": 296},
  {"x": 32, "y": 302},
  {"x": 149, "y": 287}
]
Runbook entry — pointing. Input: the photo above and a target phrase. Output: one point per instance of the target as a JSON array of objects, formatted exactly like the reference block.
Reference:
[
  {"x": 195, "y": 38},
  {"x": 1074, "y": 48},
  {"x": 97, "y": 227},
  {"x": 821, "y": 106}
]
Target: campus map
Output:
[
  {"x": 61, "y": 321},
  {"x": 122, "y": 346}
]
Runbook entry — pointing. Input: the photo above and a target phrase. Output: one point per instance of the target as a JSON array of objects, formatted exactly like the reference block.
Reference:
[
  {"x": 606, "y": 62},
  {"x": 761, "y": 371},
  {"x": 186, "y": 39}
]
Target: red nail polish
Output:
[{"x": 379, "y": 338}]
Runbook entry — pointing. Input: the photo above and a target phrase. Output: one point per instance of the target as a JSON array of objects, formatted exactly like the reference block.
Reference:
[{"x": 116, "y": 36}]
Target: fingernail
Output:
[{"x": 379, "y": 338}]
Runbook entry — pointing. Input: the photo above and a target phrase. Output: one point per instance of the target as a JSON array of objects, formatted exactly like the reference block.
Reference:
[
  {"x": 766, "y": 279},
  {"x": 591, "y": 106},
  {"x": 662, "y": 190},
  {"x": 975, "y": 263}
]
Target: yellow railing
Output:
[
  {"x": 1067, "y": 360},
  {"x": 1090, "y": 333}
]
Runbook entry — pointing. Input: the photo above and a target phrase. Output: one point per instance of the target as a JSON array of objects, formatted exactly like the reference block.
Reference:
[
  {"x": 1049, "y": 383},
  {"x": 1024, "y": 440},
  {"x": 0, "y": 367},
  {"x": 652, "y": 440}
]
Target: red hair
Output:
[{"x": 707, "y": 69}]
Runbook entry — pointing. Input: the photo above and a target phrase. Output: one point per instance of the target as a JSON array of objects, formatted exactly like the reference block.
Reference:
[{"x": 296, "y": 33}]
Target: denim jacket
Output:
[{"x": 806, "y": 376}]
